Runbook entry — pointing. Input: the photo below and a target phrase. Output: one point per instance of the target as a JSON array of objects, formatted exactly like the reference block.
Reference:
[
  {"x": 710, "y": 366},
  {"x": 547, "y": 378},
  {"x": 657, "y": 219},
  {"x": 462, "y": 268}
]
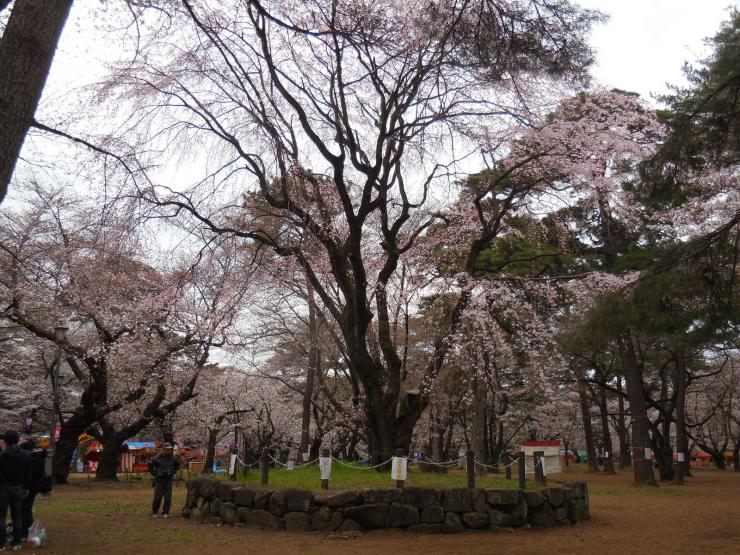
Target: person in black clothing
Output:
[
  {"x": 163, "y": 467},
  {"x": 37, "y": 474},
  {"x": 15, "y": 481}
]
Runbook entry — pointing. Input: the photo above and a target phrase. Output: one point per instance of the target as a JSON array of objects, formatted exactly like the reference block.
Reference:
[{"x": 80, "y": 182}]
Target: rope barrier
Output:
[
  {"x": 445, "y": 464},
  {"x": 276, "y": 461},
  {"x": 497, "y": 465},
  {"x": 243, "y": 463},
  {"x": 539, "y": 462},
  {"x": 358, "y": 467}
]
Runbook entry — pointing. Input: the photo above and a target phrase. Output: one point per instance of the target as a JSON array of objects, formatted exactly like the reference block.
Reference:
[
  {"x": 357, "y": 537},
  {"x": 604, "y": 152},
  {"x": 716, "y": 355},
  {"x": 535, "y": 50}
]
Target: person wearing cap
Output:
[
  {"x": 38, "y": 457},
  {"x": 15, "y": 481},
  {"x": 163, "y": 467}
]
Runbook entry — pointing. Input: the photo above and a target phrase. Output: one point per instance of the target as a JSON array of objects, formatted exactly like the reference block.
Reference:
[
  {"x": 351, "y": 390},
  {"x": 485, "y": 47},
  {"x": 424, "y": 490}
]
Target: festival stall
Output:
[
  {"x": 136, "y": 458},
  {"x": 551, "y": 450}
]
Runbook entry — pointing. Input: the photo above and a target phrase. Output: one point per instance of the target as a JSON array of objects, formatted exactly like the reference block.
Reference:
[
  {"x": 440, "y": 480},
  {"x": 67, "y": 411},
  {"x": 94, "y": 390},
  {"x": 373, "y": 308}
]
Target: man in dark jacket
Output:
[
  {"x": 163, "y": 467},
  {"x": 37, "y": 475},
  {"x": 15, "y": 481}
]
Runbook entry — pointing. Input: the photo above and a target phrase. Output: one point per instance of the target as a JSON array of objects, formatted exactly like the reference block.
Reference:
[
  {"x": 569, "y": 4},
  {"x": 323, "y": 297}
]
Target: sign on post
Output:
[
  {"x": 398, "y": 468},
  {"x": 325, "y": 468}
]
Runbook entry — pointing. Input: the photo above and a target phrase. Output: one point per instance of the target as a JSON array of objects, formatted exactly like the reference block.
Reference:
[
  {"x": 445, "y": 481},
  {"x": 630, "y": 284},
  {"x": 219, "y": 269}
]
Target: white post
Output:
[{"x": 399, "y": 468}]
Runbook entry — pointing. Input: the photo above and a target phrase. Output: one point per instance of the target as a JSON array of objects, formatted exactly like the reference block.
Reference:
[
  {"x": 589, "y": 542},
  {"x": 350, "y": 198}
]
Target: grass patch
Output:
[{"x": 344, "y": 478}]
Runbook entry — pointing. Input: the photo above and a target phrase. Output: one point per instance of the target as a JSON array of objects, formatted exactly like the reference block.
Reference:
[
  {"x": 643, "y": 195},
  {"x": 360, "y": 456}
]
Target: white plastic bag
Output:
[{"x": 37, "y": 534}]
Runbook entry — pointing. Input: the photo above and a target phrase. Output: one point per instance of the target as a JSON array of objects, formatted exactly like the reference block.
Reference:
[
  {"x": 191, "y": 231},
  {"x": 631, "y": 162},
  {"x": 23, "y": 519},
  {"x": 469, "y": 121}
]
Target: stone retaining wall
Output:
[{"x": 414, "y": 509}]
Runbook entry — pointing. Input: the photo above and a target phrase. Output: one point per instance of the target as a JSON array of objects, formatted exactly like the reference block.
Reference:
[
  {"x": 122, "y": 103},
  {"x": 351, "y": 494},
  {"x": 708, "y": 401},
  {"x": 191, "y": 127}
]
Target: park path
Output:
[{"x": 700, "y": 517}]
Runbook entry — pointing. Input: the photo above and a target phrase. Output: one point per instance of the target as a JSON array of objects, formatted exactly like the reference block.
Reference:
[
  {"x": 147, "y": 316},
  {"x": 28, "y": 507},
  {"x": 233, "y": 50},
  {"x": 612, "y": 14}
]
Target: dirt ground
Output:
[{"x": 701, "y": 517}]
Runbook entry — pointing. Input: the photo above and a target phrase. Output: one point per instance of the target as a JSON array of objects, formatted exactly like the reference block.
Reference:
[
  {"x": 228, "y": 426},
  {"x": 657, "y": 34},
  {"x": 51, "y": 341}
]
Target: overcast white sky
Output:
[
  {"x": 645, "y": 42},
  {"x": 641, "y": 48}
]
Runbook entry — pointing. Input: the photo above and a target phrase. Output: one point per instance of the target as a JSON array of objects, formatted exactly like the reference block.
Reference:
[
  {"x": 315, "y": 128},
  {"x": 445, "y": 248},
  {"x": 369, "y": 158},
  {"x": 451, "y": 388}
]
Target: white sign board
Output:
[
  {"x": 552, "y": 458},
  {"x": 325, "y": 467},
  {"x": 398, "y": 468},
  {"x": 232, "y": 463}
]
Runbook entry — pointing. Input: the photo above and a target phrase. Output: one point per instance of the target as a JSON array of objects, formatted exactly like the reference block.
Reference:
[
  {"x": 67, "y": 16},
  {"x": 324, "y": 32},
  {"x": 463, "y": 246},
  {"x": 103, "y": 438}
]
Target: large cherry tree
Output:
[{"x": 348, "y": 118}]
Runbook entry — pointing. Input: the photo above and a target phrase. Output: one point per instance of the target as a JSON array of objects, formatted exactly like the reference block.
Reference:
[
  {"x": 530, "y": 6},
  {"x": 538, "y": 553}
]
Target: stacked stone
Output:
[{"x": 413, "y": 509}]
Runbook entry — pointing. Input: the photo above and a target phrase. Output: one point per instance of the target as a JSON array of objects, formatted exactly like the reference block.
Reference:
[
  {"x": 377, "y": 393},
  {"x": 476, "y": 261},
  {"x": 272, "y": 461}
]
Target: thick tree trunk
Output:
[
  {"x": 387, "y": 432},
  {"x": 65, "y": 448},
  {"x": 479, "y": 420},
  {"x": 314, "y": 361},
  {"x": 682, "y": 438},
  {"x": 210, "y": 450},
  {"x": 436, "y": 438},
  {"x": 643, "y": 465},
  {"x": 26, "y": 52},
  {"x": 662, "y": 435},
  {"x": 719, "y": 460},
  {"x": 588, "y": 433},
  {"x": 605, "y": 434},
  {"x": 110, "y": 458},
  {"x": 624, "y": 453},
  {"x": 663, "y": 452},
  {"x": 736, "y": 457}
]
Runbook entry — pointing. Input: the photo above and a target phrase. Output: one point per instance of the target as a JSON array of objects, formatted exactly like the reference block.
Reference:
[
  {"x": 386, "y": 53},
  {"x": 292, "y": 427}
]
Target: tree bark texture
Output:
[
  {"x": 606, "y": 435},
  {"x": 588, "y": 432},
  {"x": 624, "y": 453},
  {"x": 26, "y": 52},
  {"x": 643, "y": 466},
  {"x": 65, "y": 447},
  {"x": 110, "y": 457},
  {"x": 479, "y": 419},
  {"x": 314, "y": 361},
  {"x": 210, "y": 450},
  {"x": 682, "y": 438}
]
